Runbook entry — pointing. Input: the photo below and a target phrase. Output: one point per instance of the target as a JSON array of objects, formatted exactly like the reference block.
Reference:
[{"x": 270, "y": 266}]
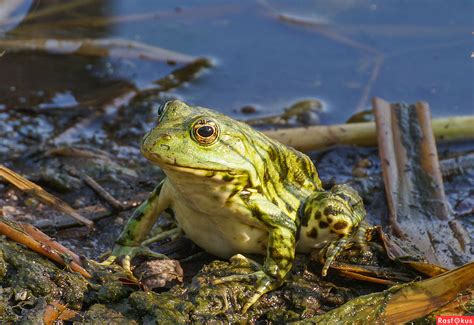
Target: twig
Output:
[
  {"x": 363, "y": 134},
  {"x": 98, "y": 189},
  {"x": 77, "y": 152},
  {"x": 99, "y": 214},
  {"x": 31, "y": 188},
  {"x": 41, "y": 237},
  {"x": 366, "y": 278},
  {"x": 121, "y": 48},
  {"x": 17, "y": 234}
]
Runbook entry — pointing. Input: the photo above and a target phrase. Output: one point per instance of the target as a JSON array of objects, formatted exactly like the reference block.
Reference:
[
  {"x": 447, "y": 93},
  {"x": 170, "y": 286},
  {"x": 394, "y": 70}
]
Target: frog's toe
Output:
[
  {"x": 239, "y": 278},
  {"x": 123, "y": 255},
  {"x": 109, "y": 261},
  {"x": 264, "y": 284},
  {"x": 145, "y": 251},
  {"x": 241, "y": 260},
  {"x": 331, "y": 253}
]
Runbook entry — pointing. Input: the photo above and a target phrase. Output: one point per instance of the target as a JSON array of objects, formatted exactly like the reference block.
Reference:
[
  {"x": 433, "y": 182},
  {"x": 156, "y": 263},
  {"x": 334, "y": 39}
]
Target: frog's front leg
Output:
[
  {"x": 131, "y": 240},
  {"x": 339, "y": 211},
  {"x": 280, "y": 249}
]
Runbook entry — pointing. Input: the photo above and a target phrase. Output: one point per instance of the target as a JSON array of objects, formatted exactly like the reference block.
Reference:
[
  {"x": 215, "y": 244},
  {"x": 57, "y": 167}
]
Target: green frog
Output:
[{"x": 233, "y": 190}]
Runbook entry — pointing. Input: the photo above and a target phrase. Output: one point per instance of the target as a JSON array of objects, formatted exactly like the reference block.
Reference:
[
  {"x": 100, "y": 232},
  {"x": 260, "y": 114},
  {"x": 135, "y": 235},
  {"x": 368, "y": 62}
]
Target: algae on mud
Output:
[{"x": 30, "y": 283}]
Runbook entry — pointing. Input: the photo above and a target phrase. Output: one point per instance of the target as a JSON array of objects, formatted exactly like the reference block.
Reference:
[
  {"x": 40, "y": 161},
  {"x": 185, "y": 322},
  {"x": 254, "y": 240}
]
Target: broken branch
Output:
[
  {"x": 121, "y": 48},
  {"x": 363, "y": 134},
  {"x": 16, "y": 233},
  {"x": 31, "y": 188}
]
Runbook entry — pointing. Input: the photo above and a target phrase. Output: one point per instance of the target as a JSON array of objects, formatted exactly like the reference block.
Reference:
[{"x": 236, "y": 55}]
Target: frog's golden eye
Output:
[{"x": 205, "y": 131}]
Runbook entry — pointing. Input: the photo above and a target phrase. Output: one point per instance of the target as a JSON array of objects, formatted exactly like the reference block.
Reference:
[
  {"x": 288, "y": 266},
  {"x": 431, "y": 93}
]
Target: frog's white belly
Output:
[{"x": 220, "y": 232}]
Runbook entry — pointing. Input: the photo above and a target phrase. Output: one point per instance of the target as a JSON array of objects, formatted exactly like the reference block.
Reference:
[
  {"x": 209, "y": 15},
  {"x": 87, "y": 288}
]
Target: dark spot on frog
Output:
[
  {"x": 329, "y": 219},
  {"x": 317, "y": 215},
  {"x": 227, "y": 178},
  {"x": 266, "y": 177},
  {"x": 302, "y": 215},
  {"x": 330, "y": 210},
  {"x": 288, "y": 206},
  {"x": 275, "y": 253},
  {"x": 271, "y": 154},
  {"x": 341, "y": 235},
  {"x": 323, "y": 224},
  {"x": 234, "y": 192},
  {"x": 313, "y": 233},
  {"x": 340, "y": 225}
]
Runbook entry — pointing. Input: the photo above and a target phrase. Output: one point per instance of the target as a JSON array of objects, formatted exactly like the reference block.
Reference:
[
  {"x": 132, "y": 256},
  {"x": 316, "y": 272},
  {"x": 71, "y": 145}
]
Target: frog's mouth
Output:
[
  {"x": 201, "y": 171},
  {"x": 173, "y": 165}
]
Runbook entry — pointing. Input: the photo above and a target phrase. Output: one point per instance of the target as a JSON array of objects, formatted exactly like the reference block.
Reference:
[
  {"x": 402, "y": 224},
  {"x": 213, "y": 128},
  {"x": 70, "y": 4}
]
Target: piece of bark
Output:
[{"x": 418, "y": 209}]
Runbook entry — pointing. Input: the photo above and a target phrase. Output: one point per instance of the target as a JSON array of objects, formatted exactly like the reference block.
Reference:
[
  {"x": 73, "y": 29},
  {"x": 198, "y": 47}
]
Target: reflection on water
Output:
[{"x": 267, "y": 54}]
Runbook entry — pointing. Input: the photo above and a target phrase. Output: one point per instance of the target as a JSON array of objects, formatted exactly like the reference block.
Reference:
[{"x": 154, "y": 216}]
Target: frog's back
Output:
[{"x": 287, "y": 177}]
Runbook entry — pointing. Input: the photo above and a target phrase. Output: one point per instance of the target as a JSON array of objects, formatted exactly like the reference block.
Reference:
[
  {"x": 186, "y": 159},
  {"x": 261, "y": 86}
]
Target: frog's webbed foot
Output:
[
  {"x": 331, "y": 252},
  {"x": 358, "y": 239},
  {"x": 361, "y": 239},
  {"x": 124, "y": 255},
  {"x": 264, "y": 284}
]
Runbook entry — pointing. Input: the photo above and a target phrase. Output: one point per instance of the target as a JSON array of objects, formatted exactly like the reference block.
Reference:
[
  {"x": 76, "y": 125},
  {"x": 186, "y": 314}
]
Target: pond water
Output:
[{"x": 267, "y": 54}]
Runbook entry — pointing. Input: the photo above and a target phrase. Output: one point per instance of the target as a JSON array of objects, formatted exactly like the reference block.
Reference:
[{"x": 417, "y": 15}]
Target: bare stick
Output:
[
  {"x": 31, "y": 188},
  {"x": 121, "y": 48},
  {"x": 41, "y": 237},
  {"x": 12, "y": 231},
  {"x": 363, "y": 134},
  {"x": 98, "y": 189}
]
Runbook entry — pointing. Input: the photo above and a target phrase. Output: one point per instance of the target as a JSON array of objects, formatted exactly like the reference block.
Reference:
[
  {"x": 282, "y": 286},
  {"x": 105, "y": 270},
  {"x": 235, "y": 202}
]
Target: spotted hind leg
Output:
[{"x": 334, "y": 217}]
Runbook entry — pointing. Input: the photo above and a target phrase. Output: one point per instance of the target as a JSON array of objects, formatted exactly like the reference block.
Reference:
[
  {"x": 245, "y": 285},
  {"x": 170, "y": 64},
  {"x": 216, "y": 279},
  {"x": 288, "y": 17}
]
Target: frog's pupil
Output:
[{"x": 205, "y": 131}]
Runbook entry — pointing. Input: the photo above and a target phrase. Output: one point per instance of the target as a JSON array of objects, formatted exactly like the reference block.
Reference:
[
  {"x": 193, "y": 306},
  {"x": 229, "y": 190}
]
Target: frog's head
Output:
[{"x": 197, "y": 140}]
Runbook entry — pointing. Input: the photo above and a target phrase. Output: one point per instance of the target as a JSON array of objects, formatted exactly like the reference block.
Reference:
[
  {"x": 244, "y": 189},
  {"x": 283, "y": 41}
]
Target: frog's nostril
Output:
[{"x": 165, "y": 146}]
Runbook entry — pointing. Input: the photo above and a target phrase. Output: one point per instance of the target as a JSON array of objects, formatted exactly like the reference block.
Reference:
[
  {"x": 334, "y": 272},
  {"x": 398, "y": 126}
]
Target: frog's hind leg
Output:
[
  {"x": 338, "y": 214},
  {"x": 280, "y": 250},
  {"x": 272, "y": 274}
]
